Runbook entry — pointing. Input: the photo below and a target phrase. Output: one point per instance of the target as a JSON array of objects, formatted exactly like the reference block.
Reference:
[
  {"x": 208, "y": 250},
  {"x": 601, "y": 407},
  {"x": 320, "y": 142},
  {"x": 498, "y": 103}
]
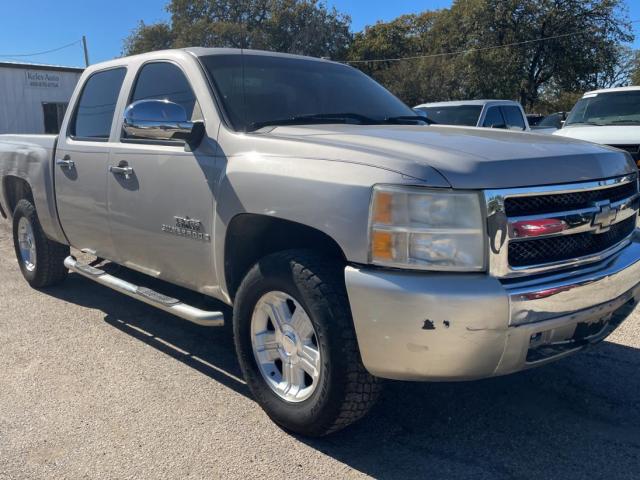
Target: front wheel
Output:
[
  {"x": 296, "y": 344},
  {"x": 41, "y": 260}
]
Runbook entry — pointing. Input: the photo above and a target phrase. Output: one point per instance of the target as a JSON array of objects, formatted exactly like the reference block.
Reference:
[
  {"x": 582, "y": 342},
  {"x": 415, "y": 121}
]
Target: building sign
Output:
[{"x": 40, "y": 79}]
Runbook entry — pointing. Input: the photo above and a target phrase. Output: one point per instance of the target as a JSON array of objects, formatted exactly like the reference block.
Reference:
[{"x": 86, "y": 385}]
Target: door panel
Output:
[
  {"x": 82, "y": 198},
  {"x": 82, "y": 156},
  {"x": 146, "y": 212}
]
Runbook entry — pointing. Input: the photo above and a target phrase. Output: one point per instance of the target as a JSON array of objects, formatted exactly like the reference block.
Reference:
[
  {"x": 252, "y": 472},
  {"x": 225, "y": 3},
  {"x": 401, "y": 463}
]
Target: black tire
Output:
[
  {"x": 49, "y": 266},
  {"x": 346, "y": 391}
]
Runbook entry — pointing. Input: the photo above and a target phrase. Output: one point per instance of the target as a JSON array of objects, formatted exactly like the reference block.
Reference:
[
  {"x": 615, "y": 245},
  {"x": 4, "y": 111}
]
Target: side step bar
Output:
[{"x": 146, "y": 295}]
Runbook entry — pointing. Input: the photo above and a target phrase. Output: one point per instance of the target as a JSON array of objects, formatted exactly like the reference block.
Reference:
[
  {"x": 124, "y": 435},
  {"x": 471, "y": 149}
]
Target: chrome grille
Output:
[
  {"x": 534, "y": 230},
  {"x": 566, "y": 247},
  {"x": 537, "y": 204}
]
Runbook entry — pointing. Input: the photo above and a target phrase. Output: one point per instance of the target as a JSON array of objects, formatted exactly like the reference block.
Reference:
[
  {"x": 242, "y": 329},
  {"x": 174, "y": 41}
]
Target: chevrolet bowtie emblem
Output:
[{"x": 604, "y": 218}]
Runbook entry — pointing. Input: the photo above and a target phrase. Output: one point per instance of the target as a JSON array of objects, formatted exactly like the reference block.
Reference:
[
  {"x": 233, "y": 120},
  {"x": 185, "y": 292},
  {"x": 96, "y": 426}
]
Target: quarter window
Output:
[{"x": 97, "y": 105}]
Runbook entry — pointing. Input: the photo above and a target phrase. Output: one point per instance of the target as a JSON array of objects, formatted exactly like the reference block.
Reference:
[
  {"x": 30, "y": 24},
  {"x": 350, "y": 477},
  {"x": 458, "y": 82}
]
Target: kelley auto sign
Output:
[{"x": 40, "y": 79}]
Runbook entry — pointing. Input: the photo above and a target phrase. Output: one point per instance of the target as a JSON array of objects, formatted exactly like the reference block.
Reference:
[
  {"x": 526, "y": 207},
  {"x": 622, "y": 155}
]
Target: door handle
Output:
[
  {"x": 66, "y": 162},
  {"x": 122, "y": 169}
]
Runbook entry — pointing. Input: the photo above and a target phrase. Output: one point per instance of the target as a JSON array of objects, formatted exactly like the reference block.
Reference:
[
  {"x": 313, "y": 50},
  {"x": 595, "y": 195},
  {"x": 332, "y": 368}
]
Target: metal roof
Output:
[{"x": 40, "y": 66}]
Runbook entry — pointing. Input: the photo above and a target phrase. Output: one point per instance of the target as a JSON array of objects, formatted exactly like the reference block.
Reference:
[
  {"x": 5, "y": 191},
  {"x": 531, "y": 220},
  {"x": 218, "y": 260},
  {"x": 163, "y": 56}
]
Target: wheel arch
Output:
[
  {"x": 15, "y": 189},
  {"x": 250, "y": 237}
]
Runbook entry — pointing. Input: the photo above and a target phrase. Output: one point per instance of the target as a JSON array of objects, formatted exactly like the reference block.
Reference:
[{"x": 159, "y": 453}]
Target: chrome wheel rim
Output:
[
  {"x": 285, "y": 346},
  {"x": 27, "y": 244}
]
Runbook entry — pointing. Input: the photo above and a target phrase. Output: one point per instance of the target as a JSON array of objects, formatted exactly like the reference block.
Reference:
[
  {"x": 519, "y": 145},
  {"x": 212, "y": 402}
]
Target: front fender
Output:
[{"x": 330, "y": 196}]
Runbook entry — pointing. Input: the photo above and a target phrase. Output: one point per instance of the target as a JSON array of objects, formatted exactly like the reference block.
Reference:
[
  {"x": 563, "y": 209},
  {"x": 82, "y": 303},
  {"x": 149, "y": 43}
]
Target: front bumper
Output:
[{"x": 435, "y": 326}]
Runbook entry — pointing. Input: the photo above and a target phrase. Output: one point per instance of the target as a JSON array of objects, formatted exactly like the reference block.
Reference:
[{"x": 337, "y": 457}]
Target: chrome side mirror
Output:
[{"x": 160, "y": 120}]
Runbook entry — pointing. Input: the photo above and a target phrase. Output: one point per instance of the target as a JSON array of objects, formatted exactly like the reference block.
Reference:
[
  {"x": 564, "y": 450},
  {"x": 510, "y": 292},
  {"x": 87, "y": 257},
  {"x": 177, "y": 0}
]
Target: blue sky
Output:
[{"x": 28, "y": 26}]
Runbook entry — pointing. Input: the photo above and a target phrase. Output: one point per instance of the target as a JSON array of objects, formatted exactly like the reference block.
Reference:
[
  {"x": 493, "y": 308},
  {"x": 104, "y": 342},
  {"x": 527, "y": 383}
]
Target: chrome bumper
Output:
[{"x": 416, "y": 326}]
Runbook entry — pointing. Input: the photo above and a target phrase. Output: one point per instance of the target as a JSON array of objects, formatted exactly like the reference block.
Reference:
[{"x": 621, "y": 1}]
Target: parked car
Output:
[
  {"x": 353, "y": 242},
  {"x": 550, "y": 123},
  {"x": 505, "y": 114},
  {"x": 534, "y": 119},
  {"x": 608, "y": 116}
]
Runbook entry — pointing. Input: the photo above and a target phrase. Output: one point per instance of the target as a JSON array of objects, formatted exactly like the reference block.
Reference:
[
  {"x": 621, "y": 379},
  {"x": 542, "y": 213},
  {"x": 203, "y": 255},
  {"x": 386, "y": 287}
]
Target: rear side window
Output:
[
  {"x": 465, "y": 115},
  {"x": 493, "y": 118},
  {"x": 513, "y": 117},
  {"x": 97, "y": 105},
  {"x": 165, "y": 81}
]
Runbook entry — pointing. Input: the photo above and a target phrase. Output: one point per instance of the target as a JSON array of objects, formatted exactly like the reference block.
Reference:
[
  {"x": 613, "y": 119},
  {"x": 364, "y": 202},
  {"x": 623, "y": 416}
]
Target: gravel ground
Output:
[{"x": 95, "y": 385}]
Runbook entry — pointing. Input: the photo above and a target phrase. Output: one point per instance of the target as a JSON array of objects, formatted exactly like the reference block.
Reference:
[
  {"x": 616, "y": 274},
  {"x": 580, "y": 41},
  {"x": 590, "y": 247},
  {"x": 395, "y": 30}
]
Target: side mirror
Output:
[
  {"x": 161, "y": 120},
  {"x": 419, "y": 112}
]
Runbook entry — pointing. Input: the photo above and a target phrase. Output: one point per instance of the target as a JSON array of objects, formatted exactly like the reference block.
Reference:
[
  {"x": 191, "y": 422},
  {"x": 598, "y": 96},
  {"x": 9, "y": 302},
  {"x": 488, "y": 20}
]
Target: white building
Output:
[{"x": 33, "y": 98}]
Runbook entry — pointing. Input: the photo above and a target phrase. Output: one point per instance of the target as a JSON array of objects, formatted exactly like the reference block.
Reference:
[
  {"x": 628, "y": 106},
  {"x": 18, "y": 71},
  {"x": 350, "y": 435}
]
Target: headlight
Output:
[{"x": 414, "y": 227}]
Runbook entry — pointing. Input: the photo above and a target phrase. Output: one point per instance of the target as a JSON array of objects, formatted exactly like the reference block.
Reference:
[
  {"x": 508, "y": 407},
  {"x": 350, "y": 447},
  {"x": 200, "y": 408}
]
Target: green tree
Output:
[
  {"x": 147, "y": 38},
  {"x": 498, "y": 48},
  {"x": 306, "y": 27},
  {"x": 634, "y": 69}
]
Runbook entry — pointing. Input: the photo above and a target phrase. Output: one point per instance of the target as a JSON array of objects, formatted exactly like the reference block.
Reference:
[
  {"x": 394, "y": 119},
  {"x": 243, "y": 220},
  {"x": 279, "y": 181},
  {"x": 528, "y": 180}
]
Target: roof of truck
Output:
[
  {"x": 459, "y": 103},
  {"x": 203, "y": 51},
  {"x": 616, "y": 89}
]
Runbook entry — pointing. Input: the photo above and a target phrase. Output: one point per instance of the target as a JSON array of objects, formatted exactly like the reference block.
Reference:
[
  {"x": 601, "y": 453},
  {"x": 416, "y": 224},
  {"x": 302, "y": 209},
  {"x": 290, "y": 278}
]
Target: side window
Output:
[
  {"x": 513, "y": 116},
  {"x": 494, "y": 119},
  {"x": 165, "y": 81},
  {"x": 94, "y": 113}
]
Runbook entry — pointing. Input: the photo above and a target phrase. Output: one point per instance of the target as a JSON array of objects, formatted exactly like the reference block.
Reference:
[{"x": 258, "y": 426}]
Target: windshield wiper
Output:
[
  {"x": 346, "y": 117},
  {"x": 626, "y": 122},
  {"x": 587, "y": 123},
  {"x": 316, "y": 118},
  {"x": 401, "y": 119}
]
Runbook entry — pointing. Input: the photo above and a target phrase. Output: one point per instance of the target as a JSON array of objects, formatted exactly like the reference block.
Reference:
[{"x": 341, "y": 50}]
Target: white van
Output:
[{"x": 609, "y": 117}]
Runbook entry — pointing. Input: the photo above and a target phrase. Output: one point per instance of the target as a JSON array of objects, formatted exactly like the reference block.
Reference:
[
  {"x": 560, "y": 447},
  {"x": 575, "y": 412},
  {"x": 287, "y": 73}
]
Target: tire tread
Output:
[{"x": 50, "y": 269}]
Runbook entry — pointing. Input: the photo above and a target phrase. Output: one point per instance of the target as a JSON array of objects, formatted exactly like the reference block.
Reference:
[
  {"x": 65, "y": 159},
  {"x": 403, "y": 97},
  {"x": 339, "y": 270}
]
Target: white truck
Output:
[
  {"x": 354, "y": 242},
  {"x": 503, "y": 114}
]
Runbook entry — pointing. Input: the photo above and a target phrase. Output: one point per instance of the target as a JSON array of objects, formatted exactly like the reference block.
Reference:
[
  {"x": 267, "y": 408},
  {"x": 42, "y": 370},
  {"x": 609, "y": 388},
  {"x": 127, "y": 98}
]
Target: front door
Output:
[
  {"x": 81, "y": 162},
  {"x": 161, "y": 213}
]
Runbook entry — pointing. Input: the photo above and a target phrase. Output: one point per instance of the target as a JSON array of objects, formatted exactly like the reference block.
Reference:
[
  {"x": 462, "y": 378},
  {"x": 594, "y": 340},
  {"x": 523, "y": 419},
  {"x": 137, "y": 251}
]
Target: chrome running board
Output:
[{"x": 146, "y": 295}]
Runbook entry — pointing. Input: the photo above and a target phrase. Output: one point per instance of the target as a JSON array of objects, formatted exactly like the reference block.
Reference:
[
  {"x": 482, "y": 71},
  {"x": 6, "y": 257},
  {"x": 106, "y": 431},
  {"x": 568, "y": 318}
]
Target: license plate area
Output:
[{"x": 551, "y": 343}]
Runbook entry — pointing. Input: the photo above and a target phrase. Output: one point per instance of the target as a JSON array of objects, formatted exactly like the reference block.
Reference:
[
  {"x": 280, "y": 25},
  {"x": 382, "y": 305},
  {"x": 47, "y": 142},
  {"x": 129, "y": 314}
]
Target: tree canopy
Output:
[
  {"x": 540, "y": 52},
  {"x": 306, "y": 27}
]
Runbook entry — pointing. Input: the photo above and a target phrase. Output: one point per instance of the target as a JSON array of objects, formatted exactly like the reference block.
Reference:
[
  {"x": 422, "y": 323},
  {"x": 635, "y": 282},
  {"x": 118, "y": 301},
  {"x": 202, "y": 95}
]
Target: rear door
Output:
[
  {"x": 82, "y": 157},
  {"x": 170, "y": 190}
]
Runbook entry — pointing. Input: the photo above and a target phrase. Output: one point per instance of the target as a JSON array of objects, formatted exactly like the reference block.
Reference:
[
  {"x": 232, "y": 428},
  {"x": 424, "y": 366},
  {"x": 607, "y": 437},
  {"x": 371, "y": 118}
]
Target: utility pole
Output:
[{"x": 86, "y": 51}]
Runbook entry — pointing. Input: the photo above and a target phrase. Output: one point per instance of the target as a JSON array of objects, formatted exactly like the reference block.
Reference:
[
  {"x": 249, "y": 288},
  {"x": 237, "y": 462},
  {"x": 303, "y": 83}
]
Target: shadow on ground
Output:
[{"x": 577, "y": 418}]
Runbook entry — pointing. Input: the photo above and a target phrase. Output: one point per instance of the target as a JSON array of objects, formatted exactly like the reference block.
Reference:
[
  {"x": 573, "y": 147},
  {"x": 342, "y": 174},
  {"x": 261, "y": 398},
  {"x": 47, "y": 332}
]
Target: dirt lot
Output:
[{"x": 94, "y": 385}]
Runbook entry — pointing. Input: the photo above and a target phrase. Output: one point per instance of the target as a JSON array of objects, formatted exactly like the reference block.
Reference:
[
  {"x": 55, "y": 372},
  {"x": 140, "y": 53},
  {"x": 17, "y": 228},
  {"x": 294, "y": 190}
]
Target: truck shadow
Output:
[{"x": 577, "y": 418}]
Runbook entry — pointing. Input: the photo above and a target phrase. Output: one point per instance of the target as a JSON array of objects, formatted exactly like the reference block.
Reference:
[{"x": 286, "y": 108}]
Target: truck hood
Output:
[
  {"x": 468, "y": 158},
  {"x": 608, "y": 135}
]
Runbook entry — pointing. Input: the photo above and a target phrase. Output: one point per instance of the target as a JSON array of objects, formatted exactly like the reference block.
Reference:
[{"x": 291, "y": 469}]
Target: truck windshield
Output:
[
  {"x": 467, "y": 115},
  {"x": 262, "y": 90},
  {"x": 613, "y": 108}
]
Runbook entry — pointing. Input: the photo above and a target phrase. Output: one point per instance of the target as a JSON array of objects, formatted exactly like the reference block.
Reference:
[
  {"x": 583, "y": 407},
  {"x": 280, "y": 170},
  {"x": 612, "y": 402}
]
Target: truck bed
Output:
[{"x": 29, "y": 158}]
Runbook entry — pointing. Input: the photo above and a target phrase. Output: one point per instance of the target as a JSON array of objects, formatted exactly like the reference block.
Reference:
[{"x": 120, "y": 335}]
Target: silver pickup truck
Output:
[{"x": 354, "y": 241}]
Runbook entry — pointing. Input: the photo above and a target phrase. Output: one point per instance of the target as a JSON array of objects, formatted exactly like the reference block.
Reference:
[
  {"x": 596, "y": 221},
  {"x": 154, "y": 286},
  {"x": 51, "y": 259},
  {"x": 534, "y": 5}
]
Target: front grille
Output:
[
  {"x": 557, "y": 249},
  {"x": 541, "y": 204}
]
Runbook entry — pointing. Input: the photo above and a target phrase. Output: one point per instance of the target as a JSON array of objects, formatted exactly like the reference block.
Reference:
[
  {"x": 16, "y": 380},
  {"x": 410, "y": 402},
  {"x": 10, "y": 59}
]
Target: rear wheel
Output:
[
  {"x": 296, "y": 344},
  {"x": 41, "y": 260}
]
